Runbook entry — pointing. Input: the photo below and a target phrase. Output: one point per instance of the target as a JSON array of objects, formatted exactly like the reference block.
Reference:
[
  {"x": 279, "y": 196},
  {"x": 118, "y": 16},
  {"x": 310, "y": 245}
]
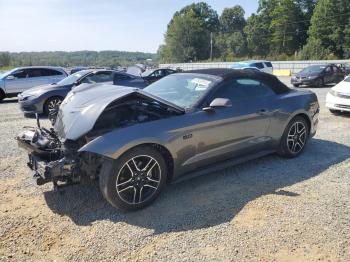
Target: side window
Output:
[
  {"x": 99, "y": 77},
  {"x": 158, "y": 73},
  {"x": 244, "y": 89},
  {"x": 121, "y": 77},
  {"x": 335, "y": 69},
  {"x": 268, "y": 64},
  {"x": 258, "y": 65},
  {"x": 20, "y": 74},
  {"x": 328, "y": 69},
  {"x": 34, "y": 72},
  {"x": 50, "y": 72}
]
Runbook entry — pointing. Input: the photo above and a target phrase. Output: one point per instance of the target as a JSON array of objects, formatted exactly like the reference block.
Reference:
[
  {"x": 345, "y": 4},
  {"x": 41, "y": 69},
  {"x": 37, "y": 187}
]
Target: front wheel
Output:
[
  {"x": 296, "y": 85},
  {"x": 294, "y": 138},
  {"x": 319, "y": 83},
  {"x": 134, "y": 180}
]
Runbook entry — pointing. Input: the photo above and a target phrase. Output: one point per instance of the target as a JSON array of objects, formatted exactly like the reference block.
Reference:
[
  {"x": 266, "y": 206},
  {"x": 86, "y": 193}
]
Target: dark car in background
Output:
[
  {"x": 46, "y": 98},
  {"x": 346, "y": 68},
  {"x": 154, "y": 75},
  {"x": 318, "y": 75}
]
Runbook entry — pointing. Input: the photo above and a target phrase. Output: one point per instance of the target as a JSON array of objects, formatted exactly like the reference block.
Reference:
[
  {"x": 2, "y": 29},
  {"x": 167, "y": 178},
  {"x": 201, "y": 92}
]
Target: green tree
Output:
[
  {"x": 232, "y": 19},
  {"x": 186, "y": 39},
  {"x": 230, "y": 45},
  {"x": 207, "y": 16},
  {"x": 5, "y": 59},
  {"x": 283, "y": 27},
  {"x": 330, "y": 26},
  {"x": 257, "y": 35}
]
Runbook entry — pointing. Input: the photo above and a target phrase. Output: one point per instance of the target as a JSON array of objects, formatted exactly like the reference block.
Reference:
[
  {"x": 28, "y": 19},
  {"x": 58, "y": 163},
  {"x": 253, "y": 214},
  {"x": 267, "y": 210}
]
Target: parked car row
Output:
[{"x": 46, "y": 98}]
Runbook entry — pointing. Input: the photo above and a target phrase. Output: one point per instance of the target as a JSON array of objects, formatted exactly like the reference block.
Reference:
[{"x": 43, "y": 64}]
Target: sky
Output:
[{"x": 72, "y": 25}]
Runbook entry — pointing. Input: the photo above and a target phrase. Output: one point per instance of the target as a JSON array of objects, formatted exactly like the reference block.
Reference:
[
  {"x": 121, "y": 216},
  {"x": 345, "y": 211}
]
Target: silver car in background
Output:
[{"x": 20, "y": 79}]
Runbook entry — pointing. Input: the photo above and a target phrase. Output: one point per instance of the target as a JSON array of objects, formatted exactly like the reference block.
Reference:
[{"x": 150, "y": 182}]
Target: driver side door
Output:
[{"x": 237, "y": 130}]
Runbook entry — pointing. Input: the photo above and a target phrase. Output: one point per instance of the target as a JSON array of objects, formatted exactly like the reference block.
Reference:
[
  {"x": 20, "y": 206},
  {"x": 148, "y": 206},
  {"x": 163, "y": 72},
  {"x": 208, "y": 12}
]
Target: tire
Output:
[
  {"x": 2, "y": 95},
  {"x": 319, "y": 83},
  {"x": 293, "y": 144},
  {"x": 296, "y": 85},
  {"x": 128, "y": 187}
]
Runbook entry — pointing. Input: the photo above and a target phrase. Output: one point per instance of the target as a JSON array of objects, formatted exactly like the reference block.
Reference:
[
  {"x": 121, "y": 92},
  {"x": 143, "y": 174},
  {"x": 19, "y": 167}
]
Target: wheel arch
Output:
[
  {"x": 163, "y": 150},
  {"x": 306, "y": 117}
]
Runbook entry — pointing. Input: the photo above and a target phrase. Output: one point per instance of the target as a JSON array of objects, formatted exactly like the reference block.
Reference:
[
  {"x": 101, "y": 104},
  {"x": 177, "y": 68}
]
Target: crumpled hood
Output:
[{"x": 82, "y": 107}]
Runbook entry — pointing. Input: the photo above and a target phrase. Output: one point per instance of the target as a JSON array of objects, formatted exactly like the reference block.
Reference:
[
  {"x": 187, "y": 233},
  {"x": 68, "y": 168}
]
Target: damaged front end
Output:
[
  {"x": 54, "y": 154},
  {"x": 49, "y": 158}
]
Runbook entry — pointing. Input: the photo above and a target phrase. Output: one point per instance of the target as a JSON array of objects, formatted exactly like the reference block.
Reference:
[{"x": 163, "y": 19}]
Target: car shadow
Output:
[{"x": 207, "y": 200}]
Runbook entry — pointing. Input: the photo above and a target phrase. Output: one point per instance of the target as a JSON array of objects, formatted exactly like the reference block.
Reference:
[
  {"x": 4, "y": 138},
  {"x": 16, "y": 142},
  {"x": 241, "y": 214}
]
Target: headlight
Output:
[
  {"x": 311, "y": 77},
  {"x": 27, "y": 97}
]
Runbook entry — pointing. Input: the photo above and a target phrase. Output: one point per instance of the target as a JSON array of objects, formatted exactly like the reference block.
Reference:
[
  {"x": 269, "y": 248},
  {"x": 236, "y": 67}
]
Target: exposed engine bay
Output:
[{"x": 56, "y": 159}]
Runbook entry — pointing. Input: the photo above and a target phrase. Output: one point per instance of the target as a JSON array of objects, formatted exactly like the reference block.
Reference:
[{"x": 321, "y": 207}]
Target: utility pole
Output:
[{"x": 211, "y": 46}]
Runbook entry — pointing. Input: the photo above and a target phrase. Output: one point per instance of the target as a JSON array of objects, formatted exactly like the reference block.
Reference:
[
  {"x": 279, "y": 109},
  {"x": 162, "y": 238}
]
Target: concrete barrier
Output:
[{"x": 282, "y": 72}]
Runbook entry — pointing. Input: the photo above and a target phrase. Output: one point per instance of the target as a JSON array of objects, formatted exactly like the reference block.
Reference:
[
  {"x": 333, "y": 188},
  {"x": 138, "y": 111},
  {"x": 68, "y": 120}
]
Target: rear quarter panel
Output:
[{"x": 287, "y": 106}]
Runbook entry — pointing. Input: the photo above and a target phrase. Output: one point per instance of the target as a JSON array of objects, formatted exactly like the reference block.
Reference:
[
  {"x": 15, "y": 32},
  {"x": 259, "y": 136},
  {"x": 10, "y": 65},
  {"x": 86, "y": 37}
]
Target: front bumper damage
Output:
[{"x": 49, "y": 159}]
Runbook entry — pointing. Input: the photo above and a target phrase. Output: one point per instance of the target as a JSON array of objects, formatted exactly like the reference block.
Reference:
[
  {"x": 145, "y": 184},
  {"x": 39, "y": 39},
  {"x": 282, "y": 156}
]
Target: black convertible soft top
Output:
[{"x": 227, "y": 73}]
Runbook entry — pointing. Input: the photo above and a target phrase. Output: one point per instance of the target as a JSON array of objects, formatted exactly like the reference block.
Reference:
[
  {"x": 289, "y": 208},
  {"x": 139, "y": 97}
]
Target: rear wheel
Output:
[
  {"x": 135, "y": 179},
  {"x": 294, "y": 138},
  {"x": 296, "y": 85}
]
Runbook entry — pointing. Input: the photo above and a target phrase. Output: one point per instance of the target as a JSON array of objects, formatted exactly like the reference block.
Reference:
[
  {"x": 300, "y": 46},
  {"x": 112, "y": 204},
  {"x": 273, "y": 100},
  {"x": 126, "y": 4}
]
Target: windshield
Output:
[
  {"x": 347, "y": 79},
  {"x": 71, "y": 79},
  {"x": 183, "y": 90},
  {"x": 313, "y": 69},
  {"x": 147, "y": 73},
  {"x": 6, "y": 73}
]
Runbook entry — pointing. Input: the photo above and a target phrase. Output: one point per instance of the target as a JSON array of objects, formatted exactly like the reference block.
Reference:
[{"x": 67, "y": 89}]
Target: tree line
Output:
[
  {"x": 79, "y": 58},
  {"x": 279, "y": 30}
]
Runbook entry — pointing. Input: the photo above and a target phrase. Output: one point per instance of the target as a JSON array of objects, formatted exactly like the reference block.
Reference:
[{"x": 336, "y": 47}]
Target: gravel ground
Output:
[{"x": 268, "y": 209}]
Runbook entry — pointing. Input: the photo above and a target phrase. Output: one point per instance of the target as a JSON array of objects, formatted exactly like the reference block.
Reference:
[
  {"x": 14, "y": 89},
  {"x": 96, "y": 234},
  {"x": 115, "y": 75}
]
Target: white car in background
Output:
[
  {"x": 261, "y": 65},
  {"x": 338, "y": 98},
  {"x": 20, "y": 79}
]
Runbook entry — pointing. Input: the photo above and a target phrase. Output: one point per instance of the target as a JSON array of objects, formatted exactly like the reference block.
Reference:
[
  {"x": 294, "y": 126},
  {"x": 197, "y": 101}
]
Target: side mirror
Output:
[
  {"x": 10, "y": 77},
  {"x": 217, "y": 103}
]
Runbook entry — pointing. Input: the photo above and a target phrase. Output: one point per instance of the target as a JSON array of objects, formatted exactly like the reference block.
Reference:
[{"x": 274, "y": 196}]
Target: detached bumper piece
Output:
[{"x": 46, "y": 158}]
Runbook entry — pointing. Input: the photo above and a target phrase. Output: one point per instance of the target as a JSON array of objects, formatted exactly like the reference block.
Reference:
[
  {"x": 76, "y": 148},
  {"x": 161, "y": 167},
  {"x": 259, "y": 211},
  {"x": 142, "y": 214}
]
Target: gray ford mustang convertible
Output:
[{"x": 135, "y": 141}]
